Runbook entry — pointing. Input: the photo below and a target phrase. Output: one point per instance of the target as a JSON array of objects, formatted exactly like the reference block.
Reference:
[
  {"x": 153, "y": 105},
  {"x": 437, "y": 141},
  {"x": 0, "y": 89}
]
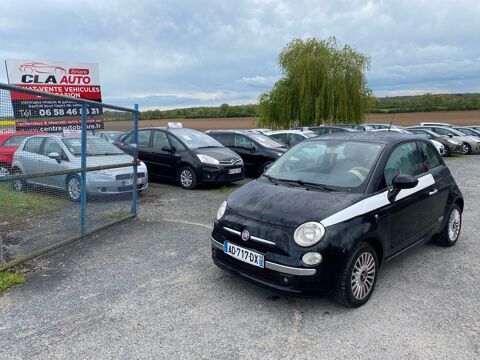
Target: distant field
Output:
[{"x": 404, "y": 119}]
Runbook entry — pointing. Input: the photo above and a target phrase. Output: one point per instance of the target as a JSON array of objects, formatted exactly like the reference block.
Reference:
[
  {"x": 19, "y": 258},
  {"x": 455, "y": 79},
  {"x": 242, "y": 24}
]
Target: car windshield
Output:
[
  {"x": 266, "y": 141},
  {"x": 331, "y": 164},
  {"x": 195, "y": 139},
  {"x": 95, "y": 147},
  {"x": 309, "y": 134}
]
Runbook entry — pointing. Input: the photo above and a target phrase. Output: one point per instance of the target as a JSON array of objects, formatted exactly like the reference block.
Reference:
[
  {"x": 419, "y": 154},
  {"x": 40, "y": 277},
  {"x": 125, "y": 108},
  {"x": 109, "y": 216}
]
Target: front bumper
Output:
[
  {"x": 219, "y": 174},
  {"x": 284, "y": 279},
  {"x": 115, "y": 184}
]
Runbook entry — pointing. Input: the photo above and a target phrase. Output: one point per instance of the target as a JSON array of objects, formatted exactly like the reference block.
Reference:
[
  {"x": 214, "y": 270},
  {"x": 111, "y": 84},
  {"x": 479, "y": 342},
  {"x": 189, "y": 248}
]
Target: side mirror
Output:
[
  {"x": 450, "y": 135},
  {"x": 54, "y": 156},
  {"x": 168, "y": 149},
  {"x": 401, "y": 182}
]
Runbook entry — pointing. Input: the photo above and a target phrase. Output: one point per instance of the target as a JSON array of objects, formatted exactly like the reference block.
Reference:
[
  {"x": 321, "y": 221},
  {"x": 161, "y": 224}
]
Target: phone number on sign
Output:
[{"x": 56, "y": 112}]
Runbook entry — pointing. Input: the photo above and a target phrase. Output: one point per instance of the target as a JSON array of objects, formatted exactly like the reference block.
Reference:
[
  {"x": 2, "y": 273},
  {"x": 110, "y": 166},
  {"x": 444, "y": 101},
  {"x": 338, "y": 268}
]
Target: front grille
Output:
[
  {"x": 231, "y": 162},
  {"x": 129, "y": 176}
]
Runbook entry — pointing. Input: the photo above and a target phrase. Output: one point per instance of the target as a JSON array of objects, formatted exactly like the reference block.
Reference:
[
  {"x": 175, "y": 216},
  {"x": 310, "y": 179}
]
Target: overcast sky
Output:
[{"x": 167, "y": 54}]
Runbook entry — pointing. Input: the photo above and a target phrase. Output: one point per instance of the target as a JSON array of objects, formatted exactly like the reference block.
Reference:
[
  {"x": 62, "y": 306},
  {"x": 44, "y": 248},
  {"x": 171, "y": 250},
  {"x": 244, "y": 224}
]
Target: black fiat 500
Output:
[
  {"x": 329, "y": 212},
  {"x": 185, "y": 155},
  {"x": 257, "y": 150}
]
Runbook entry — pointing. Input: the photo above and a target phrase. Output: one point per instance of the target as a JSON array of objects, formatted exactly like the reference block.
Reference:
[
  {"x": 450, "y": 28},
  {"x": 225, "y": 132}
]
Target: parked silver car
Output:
[
  {"x": 471, "y": 144},
  {"x": 47, "y": 153}
]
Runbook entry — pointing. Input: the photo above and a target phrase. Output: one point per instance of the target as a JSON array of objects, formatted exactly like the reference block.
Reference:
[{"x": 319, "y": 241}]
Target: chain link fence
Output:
[{"x": 63, "y": 175}]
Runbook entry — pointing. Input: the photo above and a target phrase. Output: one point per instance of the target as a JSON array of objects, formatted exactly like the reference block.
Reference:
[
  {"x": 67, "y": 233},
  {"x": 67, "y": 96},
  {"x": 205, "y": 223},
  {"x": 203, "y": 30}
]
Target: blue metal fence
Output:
[{"x": 50, "y": 198}]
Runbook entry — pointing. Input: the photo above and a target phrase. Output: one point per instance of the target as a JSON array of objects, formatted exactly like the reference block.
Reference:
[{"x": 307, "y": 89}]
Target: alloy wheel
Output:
[
  {"x": 4, "y": 171},
  {"x": 186, "y": 178},
  {"x": 454, "y": 224},
  {"x": 363, "y": 276},
  {"x": 74, "y": 188}
]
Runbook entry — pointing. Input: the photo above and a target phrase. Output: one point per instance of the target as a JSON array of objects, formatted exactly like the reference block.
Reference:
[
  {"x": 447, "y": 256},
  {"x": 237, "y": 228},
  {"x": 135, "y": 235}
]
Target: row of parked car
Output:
[{"x": 186, "y": 156}]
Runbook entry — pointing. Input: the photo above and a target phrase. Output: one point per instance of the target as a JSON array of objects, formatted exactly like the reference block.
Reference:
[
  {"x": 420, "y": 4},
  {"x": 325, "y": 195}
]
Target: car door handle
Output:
[{"x": 432, "y": 192}]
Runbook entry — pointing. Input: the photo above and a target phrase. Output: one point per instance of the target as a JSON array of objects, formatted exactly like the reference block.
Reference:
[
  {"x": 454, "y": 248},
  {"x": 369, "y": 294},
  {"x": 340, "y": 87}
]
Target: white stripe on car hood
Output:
[{"x": 375, "y": 202}]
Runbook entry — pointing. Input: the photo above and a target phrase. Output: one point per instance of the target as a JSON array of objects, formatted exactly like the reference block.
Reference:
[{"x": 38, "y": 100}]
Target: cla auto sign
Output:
[{"x": 74, "y": 80}]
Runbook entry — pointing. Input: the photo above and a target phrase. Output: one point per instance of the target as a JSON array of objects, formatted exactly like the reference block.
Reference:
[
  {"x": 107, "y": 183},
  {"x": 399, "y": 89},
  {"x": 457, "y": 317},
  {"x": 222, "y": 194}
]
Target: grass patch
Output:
[
  {"x": 16, "y": 204},
  {"x": 116, "y": 214},
  {"x": 8, "y": 279},
  {"x": 228, "y": 188}
]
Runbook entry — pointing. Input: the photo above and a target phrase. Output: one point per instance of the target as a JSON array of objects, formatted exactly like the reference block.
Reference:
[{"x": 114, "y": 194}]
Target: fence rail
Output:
[{"x": 58, "y": 187}]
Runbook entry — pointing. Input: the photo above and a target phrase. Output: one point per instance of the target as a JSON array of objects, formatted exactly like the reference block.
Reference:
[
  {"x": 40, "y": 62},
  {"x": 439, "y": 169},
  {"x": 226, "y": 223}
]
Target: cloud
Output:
[{"x": 205, "y": 52}]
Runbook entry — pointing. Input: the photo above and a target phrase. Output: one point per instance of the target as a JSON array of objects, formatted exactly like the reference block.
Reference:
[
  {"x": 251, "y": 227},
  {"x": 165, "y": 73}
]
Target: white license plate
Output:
[
  {"x": 130, "y": 182},
  {"x": 245, "y": 255},
  {"x": 235, "y": 171}
]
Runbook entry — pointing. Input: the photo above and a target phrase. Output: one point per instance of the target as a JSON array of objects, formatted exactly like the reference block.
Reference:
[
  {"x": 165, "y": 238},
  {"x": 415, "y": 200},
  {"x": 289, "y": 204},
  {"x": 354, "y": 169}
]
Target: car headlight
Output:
[
  {"x": 221, "y": 210},
  {"x": 309, "y": 234},
  {"x": 205, "y": 159}
]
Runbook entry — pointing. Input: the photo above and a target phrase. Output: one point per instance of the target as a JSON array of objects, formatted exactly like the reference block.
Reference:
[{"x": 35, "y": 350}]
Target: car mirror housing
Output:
[
  {"x": 168, "y": 149},
  {"x": 54, "y": 156},
  {"x": 401, "y": 182}
]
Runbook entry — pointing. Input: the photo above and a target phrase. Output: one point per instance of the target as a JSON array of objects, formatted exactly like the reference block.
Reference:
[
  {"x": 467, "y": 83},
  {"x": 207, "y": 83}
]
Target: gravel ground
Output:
[{"x": 134, "y": 291}]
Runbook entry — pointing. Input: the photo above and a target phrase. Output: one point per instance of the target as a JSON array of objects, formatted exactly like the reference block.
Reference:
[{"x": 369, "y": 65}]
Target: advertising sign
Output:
[{"x": 74, "y": 80}]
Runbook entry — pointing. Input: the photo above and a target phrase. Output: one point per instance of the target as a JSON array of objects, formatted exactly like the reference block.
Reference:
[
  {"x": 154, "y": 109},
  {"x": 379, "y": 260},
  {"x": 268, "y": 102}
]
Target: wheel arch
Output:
[{"x": 377, "y": 245}]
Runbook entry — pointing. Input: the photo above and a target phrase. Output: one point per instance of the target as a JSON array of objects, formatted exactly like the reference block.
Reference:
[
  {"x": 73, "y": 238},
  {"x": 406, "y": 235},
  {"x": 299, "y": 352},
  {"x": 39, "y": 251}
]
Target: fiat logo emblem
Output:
[{"x": 245, "y": 235}]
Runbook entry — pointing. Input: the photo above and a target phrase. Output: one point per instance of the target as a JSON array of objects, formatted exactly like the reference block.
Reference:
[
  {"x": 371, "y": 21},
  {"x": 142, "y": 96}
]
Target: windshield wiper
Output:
[
  {"x": 206, "y": 147},
  {"x": 271, "y": 178},
  {"x": 307, "y": 185}
]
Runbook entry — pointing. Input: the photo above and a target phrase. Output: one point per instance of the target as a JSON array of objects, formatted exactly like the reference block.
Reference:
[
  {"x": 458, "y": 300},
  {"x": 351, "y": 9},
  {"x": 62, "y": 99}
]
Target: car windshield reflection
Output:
[{"x": 327, "y": 164}]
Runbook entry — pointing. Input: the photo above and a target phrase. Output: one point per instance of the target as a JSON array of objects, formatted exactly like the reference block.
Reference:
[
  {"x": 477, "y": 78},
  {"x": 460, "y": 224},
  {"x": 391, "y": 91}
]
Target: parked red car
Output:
[{"x": 9, "y": 142}]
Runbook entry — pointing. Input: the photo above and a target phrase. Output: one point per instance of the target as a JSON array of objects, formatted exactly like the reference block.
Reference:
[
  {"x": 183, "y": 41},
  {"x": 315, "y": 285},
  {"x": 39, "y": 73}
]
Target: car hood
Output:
[
  {"x": 287, "y": 206},
  {"x": 219, "y": 153}
]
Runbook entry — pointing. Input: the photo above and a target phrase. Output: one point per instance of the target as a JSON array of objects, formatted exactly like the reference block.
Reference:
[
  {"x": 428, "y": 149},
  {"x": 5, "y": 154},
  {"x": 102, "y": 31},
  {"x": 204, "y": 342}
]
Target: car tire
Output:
[
  {"x": 187, "y": 178},
  {"x": 467, "y": 149},
  {"x": 357, "y": 280},
  {"x": 451, "y": 230},
  {"x": 73, "y": 188},
  {"x": 21, "y": 184},
  {"x": 448, "y": 153},
  {"x": 4, "y": 170}
]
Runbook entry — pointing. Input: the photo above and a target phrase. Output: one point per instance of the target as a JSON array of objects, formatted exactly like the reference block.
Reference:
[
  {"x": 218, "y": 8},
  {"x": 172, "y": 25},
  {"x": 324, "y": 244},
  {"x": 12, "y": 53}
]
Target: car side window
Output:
[
  {"x": 405, "y": 159},
  {"x": 295, "y": 139},
  {"x": 14, "y": 140},
  {"x": 176, "y": 143},
  {"x": 442, "y": 131},
  {"x": 159, "y": 140},
  {"x": 430, "y": 155},
  {"x": 243, "y": 142},
  {"x": 224, "y": 139},
  {"x": 33, "y": 145},
  {"x": 280, "y": 137},
  {"x": 144, "y": 138}
]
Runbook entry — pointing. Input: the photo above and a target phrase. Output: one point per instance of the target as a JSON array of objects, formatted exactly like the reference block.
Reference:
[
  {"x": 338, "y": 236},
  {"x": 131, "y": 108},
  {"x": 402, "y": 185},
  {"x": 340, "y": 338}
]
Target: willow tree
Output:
[{"x": 321, "y": 82}]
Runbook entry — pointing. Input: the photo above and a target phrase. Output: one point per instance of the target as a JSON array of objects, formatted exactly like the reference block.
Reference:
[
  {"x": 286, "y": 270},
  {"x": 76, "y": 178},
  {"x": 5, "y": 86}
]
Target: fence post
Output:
[
  {"x": 135, "y": 160},
  {"x": 83, "y": 165}
]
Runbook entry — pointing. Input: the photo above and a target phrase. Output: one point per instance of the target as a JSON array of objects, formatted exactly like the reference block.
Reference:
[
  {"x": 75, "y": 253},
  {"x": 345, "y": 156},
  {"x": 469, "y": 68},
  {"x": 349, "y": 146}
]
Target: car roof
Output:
[
  {"x": 383, "y": 137},
  {"x": 292, "y": 131}
]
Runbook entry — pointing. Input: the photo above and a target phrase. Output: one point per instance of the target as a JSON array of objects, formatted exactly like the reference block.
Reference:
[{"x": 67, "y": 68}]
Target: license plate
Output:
[
  {"x": 130, "y": 182},
  {"x": 245, "y": 255},
  {"x": 234, "y": 171}
]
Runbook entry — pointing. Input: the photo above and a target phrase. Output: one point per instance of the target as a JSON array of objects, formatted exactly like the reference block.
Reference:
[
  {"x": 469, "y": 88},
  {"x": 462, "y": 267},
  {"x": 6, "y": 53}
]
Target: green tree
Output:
[{"x": 321, "y": 82}]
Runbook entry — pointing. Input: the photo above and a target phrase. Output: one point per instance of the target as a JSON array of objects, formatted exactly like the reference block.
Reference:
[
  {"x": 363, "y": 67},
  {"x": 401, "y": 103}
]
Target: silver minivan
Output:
[{"x": 48, "y": 153}]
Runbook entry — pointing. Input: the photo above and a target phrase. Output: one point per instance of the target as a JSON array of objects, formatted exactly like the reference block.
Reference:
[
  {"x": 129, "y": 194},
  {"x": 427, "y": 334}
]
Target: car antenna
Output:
[{"x": 391, "y": 121}]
